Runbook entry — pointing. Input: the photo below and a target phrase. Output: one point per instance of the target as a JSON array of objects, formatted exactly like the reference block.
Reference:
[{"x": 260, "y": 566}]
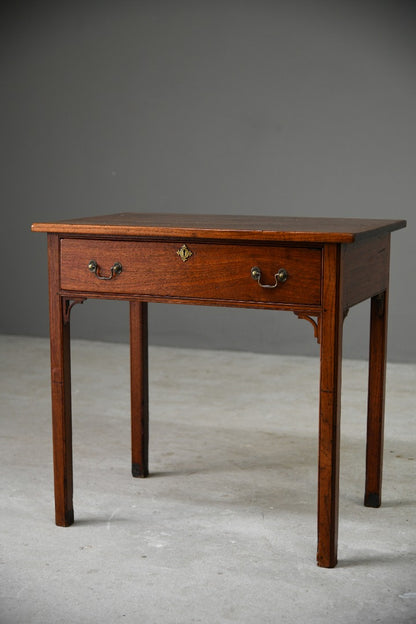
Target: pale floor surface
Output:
[{"x": 225, "y": 529}]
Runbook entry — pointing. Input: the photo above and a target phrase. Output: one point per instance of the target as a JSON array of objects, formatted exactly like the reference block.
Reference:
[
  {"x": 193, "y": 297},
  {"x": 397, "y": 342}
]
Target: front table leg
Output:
[
  {"x": 329, "y": 411},
  {"x": 139, "y": 389},
  {"x": 61, "y": 392}
]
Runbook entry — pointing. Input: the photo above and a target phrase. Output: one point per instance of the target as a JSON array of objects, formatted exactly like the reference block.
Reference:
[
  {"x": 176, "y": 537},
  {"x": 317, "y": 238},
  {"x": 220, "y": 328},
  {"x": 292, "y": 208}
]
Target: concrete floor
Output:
[{"x": 225, "y": 528}]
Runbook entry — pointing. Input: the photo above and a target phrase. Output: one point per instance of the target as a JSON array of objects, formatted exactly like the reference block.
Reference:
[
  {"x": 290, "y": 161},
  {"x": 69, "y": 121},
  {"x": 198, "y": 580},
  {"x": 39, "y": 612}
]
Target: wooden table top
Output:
[{"x": 224, "y": 227}]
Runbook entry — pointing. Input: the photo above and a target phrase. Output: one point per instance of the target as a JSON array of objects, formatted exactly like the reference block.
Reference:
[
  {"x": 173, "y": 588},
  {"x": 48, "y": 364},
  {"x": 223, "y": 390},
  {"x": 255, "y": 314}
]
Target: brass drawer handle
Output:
[
  {"x": 280, "y": 277},
  {"x": 116, "y": 269}
]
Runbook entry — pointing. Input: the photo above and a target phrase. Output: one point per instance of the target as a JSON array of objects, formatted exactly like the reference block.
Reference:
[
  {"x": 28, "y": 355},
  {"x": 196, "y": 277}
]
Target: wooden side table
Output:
[{"x": 316, "y": 268}]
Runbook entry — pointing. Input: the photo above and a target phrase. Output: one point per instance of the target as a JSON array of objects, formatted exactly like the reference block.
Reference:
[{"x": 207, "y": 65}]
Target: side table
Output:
[{"x": 317, "y": 268}]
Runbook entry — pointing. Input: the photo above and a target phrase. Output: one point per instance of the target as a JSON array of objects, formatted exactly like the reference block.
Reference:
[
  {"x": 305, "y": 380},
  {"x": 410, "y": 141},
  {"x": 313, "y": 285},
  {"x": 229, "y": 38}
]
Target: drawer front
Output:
[{"x": 211, "y": 272}]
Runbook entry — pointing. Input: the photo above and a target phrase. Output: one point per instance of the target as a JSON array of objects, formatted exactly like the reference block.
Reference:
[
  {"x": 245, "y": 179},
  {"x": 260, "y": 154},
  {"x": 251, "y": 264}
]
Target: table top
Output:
[{"x": 224, "y": 227}]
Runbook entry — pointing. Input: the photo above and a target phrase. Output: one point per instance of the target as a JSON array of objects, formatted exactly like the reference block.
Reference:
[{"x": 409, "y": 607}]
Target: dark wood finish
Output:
[
  {"x": 224, "y": 227},
  {"x": 330, "y": 407},
  {"x": 139, "y": 389},
  {"x": 366, "y": 268},
  {"x": 332, "y": 265},
  {"x": 61, "y": 391},
  {"x": 376, "y": 395},
  {"x": 213, "y": 272}
]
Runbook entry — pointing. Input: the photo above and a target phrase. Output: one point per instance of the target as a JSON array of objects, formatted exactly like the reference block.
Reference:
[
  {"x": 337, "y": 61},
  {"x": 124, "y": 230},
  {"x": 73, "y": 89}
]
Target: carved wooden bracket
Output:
[
  {"x": 315, "y": 324},
  {"x": 69, "y": 304}
]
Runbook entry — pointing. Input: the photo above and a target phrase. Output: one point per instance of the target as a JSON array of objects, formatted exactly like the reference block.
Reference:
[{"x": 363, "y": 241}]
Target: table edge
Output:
[{"x": 214, "y": 234}]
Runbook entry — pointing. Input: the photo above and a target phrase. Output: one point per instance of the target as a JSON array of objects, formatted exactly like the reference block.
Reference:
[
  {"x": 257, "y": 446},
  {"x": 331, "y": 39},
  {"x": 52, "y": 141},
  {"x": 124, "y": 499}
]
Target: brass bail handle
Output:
[
  {"x": 116, "y": 269},
  {"x": 280, "y": 277}
]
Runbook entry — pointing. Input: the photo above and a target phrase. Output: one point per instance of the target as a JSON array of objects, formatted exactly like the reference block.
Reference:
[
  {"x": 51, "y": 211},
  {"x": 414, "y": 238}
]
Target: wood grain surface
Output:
[
  {"x": 212, "y": 272},
  {"x": 230, "y": 227}
]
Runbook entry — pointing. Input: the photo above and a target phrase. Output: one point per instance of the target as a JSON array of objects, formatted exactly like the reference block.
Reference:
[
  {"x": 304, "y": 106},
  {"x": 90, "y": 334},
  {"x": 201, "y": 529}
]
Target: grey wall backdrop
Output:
[{"x": 261, "y": 107}]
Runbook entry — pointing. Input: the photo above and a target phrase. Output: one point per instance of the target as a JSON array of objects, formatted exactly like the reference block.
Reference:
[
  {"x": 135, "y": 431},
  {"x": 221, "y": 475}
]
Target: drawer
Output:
[{"x": 211, "y": 272}]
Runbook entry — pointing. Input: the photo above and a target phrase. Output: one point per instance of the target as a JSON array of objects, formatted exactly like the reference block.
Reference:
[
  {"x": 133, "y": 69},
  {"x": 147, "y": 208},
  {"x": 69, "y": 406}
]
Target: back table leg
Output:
[
  {"x": 376, "y": 393},
  {"x": 139, "y": 389}
]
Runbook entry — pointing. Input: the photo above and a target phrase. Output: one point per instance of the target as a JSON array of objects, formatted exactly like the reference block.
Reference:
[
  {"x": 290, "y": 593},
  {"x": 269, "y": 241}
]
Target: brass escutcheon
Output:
[{"x": 184, "y": 253}]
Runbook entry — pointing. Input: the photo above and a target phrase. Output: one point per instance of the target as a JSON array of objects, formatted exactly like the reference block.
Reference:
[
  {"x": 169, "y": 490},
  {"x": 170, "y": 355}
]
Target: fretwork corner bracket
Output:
[
  {"x": 68, "y": 304},
  {"x": 315, "y": 324}
]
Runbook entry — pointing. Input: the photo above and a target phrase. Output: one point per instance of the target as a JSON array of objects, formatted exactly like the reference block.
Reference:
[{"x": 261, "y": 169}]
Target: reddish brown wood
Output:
[
  {"x": 212, "y": 272},
  {"x": 329, "y": 407},
  {"x": 366, "y": 271},
  {"x": 228, "y": 227},
  {"x": 376, "y": 394},
  {"x": 139, "y": 389},
  {"x": 307, "y": 316},
  {"x": 332, "y": 264},
  {"x": 69, "y": 303},
  {"x": 61, "y": 392}
]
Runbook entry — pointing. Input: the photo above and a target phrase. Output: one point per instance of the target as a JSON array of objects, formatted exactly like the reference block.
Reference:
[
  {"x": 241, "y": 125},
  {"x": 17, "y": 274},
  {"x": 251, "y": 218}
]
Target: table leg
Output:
[
  {"x": 376, "y": 394},
  {"x": 139, "y": 388},
  {"x": 329, "y": 411},
  {"x": 61, "y": 392}
]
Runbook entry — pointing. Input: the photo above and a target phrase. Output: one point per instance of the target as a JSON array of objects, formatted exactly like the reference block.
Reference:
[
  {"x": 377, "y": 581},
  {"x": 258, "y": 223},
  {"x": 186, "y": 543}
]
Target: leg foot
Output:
[
  {"x": 372, "y": 499},
  {"x": 138, "y": 470}
]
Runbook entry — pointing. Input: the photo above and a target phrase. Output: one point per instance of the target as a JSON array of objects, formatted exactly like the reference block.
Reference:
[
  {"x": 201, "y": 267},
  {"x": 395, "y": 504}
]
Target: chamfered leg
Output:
[
  {"x": 61, "y": 391},
  {"x": 376, "y": 394},
  {"x": 329, "y": 409},
  {"x": 139, "y": 388}
]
